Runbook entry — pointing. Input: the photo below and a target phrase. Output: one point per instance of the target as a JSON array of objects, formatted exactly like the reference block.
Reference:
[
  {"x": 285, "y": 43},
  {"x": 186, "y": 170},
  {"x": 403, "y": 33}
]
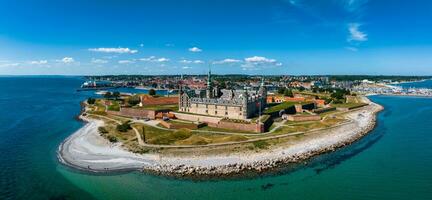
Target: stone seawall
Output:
[
  {"x": 259, "y": 166},
  {"x": 87, "y": 150}
]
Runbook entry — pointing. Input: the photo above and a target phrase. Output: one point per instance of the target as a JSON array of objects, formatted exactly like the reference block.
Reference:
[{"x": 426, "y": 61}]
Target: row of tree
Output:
[
  {"x": 113, "y": 95},
  {"x": 286, "y": 92}
]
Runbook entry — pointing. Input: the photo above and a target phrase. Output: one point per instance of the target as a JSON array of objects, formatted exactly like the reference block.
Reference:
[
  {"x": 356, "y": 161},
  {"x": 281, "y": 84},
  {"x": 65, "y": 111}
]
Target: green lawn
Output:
[
  {"x": 115, "y": 106},
  {"x": 173, "y": 107},
  {"x": 207, "y": 128},
  {"x": 281, "y": 106},
  {"x": 349, "y": 105},
  {"x": 179, "y": 122}
]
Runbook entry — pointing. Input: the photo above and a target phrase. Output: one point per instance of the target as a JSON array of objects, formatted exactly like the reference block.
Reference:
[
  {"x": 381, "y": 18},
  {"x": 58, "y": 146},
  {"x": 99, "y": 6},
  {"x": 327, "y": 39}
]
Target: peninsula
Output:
[{"x": 213, "y": 132}]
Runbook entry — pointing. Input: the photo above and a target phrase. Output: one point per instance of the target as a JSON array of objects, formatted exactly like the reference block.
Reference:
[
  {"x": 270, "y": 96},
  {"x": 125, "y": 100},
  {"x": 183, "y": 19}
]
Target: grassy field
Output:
[
  {"x": 281, "y": 106},
  {"x": 112, "y": 132},
  {"x": 321, "y": 95},
  {"x": 349, "y": 105},
  {"x": 115, "y": 106},
  {"x": 293, "y": 127},
  {"x": 183, "y": 136},
  {"x": 157, "y": 136},
  {"x": 173, "y": 107},
  {"x": 179, "y": 122},
  {"x": 208, "y": 128}
]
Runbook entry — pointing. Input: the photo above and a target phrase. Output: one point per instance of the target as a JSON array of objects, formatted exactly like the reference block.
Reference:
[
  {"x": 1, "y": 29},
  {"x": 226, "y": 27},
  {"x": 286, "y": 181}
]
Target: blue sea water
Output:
[
  {"x": 422, "y": 84},
  {"x": 36, "y": 113}
]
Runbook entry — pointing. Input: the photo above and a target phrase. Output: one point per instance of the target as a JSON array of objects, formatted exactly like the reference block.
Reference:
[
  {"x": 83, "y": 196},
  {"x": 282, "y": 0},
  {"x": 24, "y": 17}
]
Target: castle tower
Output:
[
  {"x": 263, "y": 93},
  {"x": 180, "y": 93},
  {"x": 209, "y": 85},
  {"x": 245, "y": 104}
]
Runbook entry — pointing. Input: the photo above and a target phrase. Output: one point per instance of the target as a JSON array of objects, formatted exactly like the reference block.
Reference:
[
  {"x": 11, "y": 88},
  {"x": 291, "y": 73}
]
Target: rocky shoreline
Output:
[
  {"x": 84, "y": 151},
  {"x": 237, "y": 169}
]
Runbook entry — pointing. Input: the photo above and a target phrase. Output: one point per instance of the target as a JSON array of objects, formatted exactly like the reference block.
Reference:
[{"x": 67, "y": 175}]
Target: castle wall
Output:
[
  {"x": 222, "y": 108},
  {"x": 302, "y": 118},
  {"x": 233, "y": 112},
  {"x": 253, "y": 127},
  {"x": 196, "y": 118},
  {"x": 180, "y": 126}
]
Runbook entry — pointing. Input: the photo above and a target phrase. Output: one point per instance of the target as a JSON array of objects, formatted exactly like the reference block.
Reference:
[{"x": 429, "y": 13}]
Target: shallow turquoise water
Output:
[{"x": 37, "y": 113}]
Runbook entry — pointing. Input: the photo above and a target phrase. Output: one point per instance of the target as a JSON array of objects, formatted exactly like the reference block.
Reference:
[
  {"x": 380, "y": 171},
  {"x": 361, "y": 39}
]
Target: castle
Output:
[{"x": 233, "y": 104}]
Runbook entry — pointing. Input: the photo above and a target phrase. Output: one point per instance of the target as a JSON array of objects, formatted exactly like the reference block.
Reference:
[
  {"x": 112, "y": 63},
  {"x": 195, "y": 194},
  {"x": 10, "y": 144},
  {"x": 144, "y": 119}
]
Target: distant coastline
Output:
[{"x": 408, "y": 82}]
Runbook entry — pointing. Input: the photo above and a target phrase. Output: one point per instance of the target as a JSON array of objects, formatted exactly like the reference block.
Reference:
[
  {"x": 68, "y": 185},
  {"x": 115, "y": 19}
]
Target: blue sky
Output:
[{"x": 82, "y": 37}]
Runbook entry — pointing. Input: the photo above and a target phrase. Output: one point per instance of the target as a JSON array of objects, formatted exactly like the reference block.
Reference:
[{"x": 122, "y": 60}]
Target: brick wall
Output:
[
  {"x": 179, "y": 126},
  {"x": 253, "y": 127},
  {"x": 197, "y": 118},
  {"x": 149, "y": 100}
]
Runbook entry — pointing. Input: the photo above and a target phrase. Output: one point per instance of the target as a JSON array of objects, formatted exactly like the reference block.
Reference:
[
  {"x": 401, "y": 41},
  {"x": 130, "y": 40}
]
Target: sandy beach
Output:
[{"x": 87, "y": 150}]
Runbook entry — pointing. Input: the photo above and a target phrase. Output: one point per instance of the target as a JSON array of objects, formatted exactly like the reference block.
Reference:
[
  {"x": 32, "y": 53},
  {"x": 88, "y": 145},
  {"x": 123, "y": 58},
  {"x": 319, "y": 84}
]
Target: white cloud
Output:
[
  {"x": 186, "y": 61},
  {"x": 154, "y": 59},
  {"x": 125, "y": 61},
  {"x": 259, "y": 62},
  {"x": 66, "y": 60},
  {"x": 259, "y": 59},
  {"x": 355, "y": 33},
  {"x": 186, "y": 67},
  {"x": 227, "y": 61},
  {"x": 147, "y": 59},
  {"x": 99, "y": 61},
  {"x": 38, "y": 62},
  {"x": 252, "y": 63},
  {"x": 114, "y": 50},
  {"x": 162, "y": 60},
  {"x": 191, "y": 61},
  {"x": 195, "y": 49},
  {"x": 8, "y": 64}
]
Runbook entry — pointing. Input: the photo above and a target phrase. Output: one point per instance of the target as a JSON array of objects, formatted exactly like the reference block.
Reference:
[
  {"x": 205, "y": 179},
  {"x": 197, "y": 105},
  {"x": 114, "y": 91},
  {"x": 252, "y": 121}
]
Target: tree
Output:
[
  {"x": 222, "y": 85},
  {"x": 102, "y": 130},
  {"x": 112, "y": 139},
  {"x": 281, "y": 90},
  {"x": 91, "y": 101},
  {"x": 108, "y": 95},
  {"x": 143, "y": 134},
  {"x": 124, "y": 127},
  {"x": 152, "y": 92},
  {"x": 134, "y": 100},
  {"x": 288, "y": 93},
  {"x": 315, "y": 90},
  {"x": 301, "y": 89},
  {"x": 116, "y": 94}
]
